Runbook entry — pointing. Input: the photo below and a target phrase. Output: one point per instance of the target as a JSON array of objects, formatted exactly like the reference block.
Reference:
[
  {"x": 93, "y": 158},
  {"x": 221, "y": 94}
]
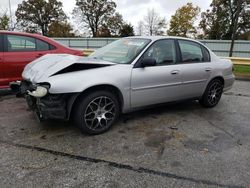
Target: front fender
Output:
[{"x": 76, "y": 82}]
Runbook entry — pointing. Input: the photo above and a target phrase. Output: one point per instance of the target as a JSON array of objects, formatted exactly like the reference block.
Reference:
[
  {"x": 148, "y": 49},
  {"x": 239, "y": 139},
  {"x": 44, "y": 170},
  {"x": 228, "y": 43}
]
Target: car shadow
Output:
[
  {"x": 153, "y": 111},
  {"x": 138, "y": 115}
]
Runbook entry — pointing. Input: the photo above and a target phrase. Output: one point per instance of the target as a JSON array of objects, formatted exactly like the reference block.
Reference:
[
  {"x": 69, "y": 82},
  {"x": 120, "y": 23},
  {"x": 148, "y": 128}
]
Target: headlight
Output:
[{"x": 39, "y": 92}]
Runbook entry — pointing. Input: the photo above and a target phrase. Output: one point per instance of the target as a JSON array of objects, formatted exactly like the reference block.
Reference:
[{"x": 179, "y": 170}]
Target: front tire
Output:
[
  {"x": 96, "y": 112},
  {"x": 213, "y": 93}
]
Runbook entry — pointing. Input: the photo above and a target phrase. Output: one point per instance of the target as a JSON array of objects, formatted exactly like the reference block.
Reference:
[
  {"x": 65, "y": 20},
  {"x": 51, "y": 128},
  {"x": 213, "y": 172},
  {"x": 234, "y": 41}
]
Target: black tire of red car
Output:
[
  {"x": 212, "y": 94},
  {"x": 96, "y": 112}
]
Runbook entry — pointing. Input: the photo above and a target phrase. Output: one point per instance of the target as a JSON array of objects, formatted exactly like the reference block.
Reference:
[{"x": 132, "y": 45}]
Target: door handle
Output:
[
  {"x": 208, "y": 69},
  {"x": 174, "y": 72}
]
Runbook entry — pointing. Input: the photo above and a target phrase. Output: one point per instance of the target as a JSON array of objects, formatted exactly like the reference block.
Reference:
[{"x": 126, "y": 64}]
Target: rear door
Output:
[
  {"x": 19, "y": 51},
  {"x": 195, "y": 68}
]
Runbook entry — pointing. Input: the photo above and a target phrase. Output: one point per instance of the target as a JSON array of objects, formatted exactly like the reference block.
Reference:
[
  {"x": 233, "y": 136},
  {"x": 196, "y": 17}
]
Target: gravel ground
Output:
[{"x": 181, "y": 145}]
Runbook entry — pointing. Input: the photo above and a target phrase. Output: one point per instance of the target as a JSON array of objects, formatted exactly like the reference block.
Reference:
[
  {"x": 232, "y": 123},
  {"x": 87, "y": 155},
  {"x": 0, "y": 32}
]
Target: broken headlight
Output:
[{"x": 40, "y": 91}]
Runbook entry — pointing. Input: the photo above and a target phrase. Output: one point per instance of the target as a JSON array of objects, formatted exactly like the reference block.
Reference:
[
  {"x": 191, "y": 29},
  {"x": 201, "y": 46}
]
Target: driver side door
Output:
[{"x": 160, "y": 83}]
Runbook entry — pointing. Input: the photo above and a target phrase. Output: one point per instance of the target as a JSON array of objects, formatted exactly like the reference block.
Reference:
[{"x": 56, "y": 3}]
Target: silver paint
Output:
[{"x": 139, "y": 86}]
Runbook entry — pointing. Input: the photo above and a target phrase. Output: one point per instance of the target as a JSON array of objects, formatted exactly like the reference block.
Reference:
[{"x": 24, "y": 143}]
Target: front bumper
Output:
[
  {"x": 20, "y": 88},
  {"x": 48, "y": 107},
  {"x": 51, "y": 106}
]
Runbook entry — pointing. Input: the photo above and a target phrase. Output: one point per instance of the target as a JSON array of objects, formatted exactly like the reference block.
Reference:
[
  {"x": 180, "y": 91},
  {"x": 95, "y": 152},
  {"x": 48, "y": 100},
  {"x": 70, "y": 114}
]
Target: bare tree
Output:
[
  {"x": 154, "y": 24},
  {"x": 140, "y": 28}
]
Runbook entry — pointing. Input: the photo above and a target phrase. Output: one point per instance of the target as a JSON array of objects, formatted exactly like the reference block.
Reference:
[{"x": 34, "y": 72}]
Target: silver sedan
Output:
[{"x": 126, "y": 75}]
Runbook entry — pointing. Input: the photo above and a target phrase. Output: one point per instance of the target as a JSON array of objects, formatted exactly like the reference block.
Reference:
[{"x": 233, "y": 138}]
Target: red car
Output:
[{"x": 18, "y": 49}]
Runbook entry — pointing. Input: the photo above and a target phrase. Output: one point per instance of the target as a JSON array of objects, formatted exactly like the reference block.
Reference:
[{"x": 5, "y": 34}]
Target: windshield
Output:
[{"x": 122, "y": 51}]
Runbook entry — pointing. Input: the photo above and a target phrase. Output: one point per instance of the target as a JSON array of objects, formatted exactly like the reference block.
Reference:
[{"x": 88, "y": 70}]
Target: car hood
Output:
[{"x": 54, "y": 64}]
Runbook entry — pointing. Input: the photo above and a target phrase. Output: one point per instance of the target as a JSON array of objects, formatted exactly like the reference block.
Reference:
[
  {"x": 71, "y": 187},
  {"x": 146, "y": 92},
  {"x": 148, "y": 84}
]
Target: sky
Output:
[{"x": 132, "y": 10}]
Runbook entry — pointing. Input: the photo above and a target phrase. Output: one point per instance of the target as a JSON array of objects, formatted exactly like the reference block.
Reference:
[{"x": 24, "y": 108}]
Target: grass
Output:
[{"x": 243, "y": 70}]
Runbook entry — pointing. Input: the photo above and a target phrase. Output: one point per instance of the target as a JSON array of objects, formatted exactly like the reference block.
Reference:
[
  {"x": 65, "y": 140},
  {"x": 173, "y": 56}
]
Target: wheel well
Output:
[
  {"x": 219, "y": 78},
  {"x": 105, "y": 87},
  {"x": 215, "y": 78}
]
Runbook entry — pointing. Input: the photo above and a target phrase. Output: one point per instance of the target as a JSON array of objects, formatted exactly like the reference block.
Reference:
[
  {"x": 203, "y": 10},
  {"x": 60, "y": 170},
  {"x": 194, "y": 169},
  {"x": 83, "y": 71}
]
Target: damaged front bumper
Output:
[
  {"x": 45, "y": 105},
  {"x": 21, "y": 88}
]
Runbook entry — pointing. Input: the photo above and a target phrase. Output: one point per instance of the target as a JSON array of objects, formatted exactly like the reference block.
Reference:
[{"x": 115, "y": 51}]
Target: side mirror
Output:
[{"x": 148, "y": 62}]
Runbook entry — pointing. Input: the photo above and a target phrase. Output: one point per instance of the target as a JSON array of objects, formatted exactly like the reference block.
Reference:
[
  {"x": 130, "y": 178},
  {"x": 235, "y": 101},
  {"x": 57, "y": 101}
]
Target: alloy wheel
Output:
[
  {"x": 100, "y": 113},
  {"x": 214, "y": 93}
]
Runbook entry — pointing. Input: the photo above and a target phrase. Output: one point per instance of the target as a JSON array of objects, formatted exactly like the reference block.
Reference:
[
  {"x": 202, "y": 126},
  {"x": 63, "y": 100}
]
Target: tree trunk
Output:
[
  {"x": 43, "y": 31},
  {"x": 235, "y": 26}
]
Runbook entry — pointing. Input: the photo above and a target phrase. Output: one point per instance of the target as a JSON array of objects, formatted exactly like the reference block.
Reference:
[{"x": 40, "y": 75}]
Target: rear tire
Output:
[
  {"x": 213, "y": 93},
  {"x": 96, "y": 112}
]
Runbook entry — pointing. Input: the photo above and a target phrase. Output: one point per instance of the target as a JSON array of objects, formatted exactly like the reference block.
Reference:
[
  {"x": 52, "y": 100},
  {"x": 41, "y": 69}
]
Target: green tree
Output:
[
  {"x": 114, "y": 24},
  {"x": 104, "y": 31},
  {"x": 126, "y": 30},
  {"x": 219, "y": 21},
  {"x": 4, "y": 22},
  {"x": 60, "y": 29},
  {"x": 182, "y": 22},
  {"x": 39, "y": 14},
  {"x": 215, "y": 22},
  {"x": 245, "y": 36},
  {"x": 94, "y": 14}
]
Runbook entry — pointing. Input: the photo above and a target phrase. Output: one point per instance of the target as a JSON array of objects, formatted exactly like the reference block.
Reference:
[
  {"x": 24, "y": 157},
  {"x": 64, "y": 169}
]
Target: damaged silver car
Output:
[{"x": 126, "y": 75}]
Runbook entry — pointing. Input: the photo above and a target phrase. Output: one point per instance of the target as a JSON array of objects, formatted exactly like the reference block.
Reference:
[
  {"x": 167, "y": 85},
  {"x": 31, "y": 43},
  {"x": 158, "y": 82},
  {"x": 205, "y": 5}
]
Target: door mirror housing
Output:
[{"x": 148, "y": 62}]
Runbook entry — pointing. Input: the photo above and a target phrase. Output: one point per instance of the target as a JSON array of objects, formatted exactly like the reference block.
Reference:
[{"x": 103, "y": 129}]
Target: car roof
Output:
[
  {"x": 161, "y": 37},
  {"x": 20, "y": 33},
  {"x": 38, "y": 36},
  {"x": 155, "y": 38}
]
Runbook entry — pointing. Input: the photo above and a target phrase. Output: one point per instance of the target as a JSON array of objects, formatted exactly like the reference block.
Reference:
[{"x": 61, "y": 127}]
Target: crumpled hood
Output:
[{"x": 50, "y": 64}]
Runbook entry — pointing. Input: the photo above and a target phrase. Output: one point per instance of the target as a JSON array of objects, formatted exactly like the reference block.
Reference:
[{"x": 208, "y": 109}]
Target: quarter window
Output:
[
  {"x": 191, "y": 51},
  {"x": 41, "y": 45},
  {"x": 162, "y": 51},
  {"x": 206, "y": 54}
]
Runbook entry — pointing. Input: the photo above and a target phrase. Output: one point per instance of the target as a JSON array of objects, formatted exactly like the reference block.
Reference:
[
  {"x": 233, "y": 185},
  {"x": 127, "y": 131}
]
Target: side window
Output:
[
  {"x": 1, "y": 43},
  {"x": 191, "y": 51},
  {"x": 41, "y": 45},
  {"x": 17, "y": 43},
  {"x": 163, "y": 52}
]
